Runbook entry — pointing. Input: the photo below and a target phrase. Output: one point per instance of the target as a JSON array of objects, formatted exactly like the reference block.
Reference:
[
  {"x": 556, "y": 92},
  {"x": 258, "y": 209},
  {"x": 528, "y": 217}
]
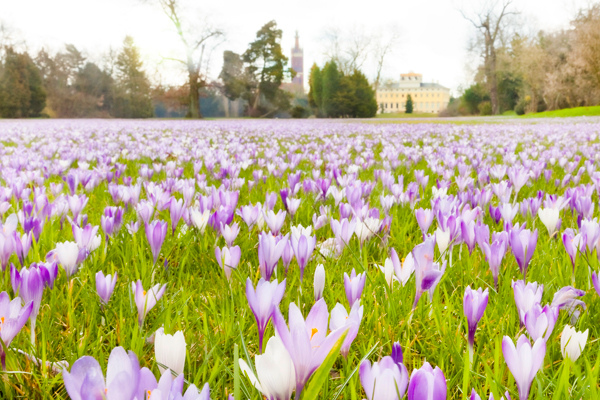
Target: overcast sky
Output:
[{"x": 433, "y": 36}]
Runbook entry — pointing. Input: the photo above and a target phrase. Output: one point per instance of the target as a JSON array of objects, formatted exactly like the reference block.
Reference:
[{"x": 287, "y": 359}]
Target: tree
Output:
[
  {"x": 491, "y": 24},
  {"x": 198, "y": 47},
  {"x": 364, "y": 104},
  {"x": 235, "y": 82},
  {"x": 315, "y": 83},
  {"x": 21, "y": 92},
  {"x": 133, "y": 88},
  {"x": 266, "y": 65},
  {"x": 331, "y": 86},
  {"x": 409, "y": 105}
]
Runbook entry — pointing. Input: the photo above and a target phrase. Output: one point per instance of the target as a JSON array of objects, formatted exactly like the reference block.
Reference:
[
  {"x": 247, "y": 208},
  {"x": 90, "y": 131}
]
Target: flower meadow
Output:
[{"x": 299, "y": 259}]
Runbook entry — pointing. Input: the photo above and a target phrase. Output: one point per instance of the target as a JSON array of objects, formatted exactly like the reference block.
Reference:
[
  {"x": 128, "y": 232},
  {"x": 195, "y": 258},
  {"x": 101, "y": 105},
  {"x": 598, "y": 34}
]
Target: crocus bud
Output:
[
  {"x": 354, "y": 285},
  {"x": 572, "y": 342},
  {"x": 474, "y": 304},
  {"x": 550, "y": 219},
  {"x": 524, "y": 361},
  {"x": 169, "y": 351},
  {"x": 319, "y": 283},
  {"x": 105, "y": 285},
  {"x": 145, "y": 301}
]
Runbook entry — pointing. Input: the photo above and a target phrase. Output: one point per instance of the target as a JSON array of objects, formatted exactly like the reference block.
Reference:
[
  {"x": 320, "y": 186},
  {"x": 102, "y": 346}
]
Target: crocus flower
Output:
[
  {"x": 7, "y": 247},
  {"x": 540, "y": 322},
  {"x": 523, "y": 243},
  {"x": 29, "y": 285},
  {"x": 474, "y": 304},
  {"x": 274, "y": 221},
  {"x": 169, "y": 351},
  {"x": 343, "y": 231},
  {"x": 468, "y": 234},
  {"x": 550, "y": 219},
  {"x": 86, "y": 237},
  {"x": 200, "y": 219},
  {"x": 567, "y": 299},
  {"x": 340, "y": 319},
  {"x": 176, "y": 210},
  {"x": 384, "y": 380},
  {"x": 22, "y": 245},
  {"x": 124, "y": 378},
  {"x": 596, "y": 282},
  {"x": 319, "y": 282},
  {"x": 13, "y": 317},
  {"x": 249, "y": 214},
  {"x": 526, "y": 295},
  {"x": 270, "y": 250},
  {"x": 228, "y": 258},
  {"x": 155, "y": 233},
  {"x": 263, "y": 301},
  {"x": 427, "y": 273},
  {"x": 68, "y": 255},
  {"x": 230, "y": 232},
  {"x": 427, "y": 383},
  {"x": 424, "y": 219},
  {"x": 573, "y": 243},
  {"x": 303, "y": 244},
  {"x": 169, "y": 388},
  {"x": 145, "y": 301},
  {"x": 306, "y": 340},
  {"x": 572, "y": 342},
  {"x": 105, "y": 285},
  {"x": 366, "y": 228},
  {"x": 275, "y": 373},
  {"x": 524, "y": 361},
  {"x": 354, "y": 285}
]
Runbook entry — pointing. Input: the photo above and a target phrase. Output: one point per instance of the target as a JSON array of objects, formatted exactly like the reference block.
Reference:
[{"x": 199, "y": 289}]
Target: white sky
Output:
[{"x": 433, "y": 35}]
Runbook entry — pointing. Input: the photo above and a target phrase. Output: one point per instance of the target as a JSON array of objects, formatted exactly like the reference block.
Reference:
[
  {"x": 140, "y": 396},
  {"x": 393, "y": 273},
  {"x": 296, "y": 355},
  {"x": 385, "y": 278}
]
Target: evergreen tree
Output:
[
  {"x": 315, "y": 83},
  {"x": 21, "y": 92},
  {"x": 365, "y": 103},
  {"x": 331, "y": 86},
  {"x": 409, "y": 105},
  {"x": 133, "y": 99}
]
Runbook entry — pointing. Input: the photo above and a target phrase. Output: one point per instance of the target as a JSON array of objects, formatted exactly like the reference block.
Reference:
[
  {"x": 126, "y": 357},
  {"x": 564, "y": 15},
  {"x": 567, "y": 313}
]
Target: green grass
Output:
[
  {"x": 405, "y": 115},
  {"x": 567, "y": 112}
]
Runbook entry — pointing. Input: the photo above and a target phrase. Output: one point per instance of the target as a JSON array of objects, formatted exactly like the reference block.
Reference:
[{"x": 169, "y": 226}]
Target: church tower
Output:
[{"x": 298, "y": 63}]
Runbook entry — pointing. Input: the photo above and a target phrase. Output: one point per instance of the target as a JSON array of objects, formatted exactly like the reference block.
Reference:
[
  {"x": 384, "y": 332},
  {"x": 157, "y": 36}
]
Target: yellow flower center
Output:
[{"x": 313, "y": 332}]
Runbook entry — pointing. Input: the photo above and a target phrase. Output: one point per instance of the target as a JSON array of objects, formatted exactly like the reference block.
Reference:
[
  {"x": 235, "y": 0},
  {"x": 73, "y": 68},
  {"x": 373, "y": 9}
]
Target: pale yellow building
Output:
[{"x": 426, "y": 97}]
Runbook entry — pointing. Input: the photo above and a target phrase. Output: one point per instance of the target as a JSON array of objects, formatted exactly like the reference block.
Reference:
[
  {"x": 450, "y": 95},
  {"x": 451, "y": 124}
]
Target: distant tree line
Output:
[
  {"x": 530, "y": 74},
  {"x": 66, "y": 85}
]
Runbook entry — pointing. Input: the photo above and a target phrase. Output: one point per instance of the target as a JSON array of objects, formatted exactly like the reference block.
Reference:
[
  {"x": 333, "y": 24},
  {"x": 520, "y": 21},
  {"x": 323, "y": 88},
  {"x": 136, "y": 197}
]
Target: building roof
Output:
[{"x": 421, "y": 85}]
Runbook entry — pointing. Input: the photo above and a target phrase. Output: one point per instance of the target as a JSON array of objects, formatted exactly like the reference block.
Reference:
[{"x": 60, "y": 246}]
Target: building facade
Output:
[
  {"x": 426, "y": 97},
  {"x": 298, "y": 63}
]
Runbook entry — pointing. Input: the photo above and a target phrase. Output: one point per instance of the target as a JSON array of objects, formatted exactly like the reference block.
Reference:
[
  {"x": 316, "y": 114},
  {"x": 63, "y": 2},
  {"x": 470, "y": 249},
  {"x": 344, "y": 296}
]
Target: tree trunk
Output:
[{"x": 194, "y": 106}]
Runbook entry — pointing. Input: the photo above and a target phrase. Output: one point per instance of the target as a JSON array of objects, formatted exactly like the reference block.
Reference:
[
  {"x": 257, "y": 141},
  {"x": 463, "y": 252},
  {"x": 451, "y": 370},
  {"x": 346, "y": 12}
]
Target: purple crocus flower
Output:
[
  {"x": 468, "y": 234},
  {"x": 249, "y": 214},
  {"x": 230, "y": 232},
  {"x": 86, "y": 237},
  {"x": 386, "y": 379},
  {"x": 105, "y": 285},
  {"x": 263, "y": 301},
  {"x": 274, "y": 221},
  {"x": 29, "y": 285},
  {"x": 7, "y": 247},
  {"x": 270, "y": 250},
  {"x": 596, "y": 282},
  {"x": 567, "y": 299},
  {"x": 124, "y": 378},
  {"x": 574, "y": 244},
  {"x": 22, "y": 245},
  {"x": 494, "y": 253},
  {"x": 475, "y": 396},
  {"x": 354, "y": 285},
  {"x": 523, "y": 243},
  {"x": 288, "y": 253},
  {"x": 155, "y": 233},
  {"x": 228, "y": 258},
  {"x": 424, "y": 219},
  {"x": 306, "y": 340},
  {"x": 13, "y": 317},
  {"x": 540, "y": 322},
  {"x": 474, "y": 304},
  {"x": 176, "y": 210},
  {"x": 427, "y": 273},
  {"x": 303, "y": 244},
  {"x": 526, "y": 295},
  {"x": 343, "y": 231},
  {"x": 524, "y": 361},
  {"x": 427, "y": 383},
  {"x": 145, "y": 301}
]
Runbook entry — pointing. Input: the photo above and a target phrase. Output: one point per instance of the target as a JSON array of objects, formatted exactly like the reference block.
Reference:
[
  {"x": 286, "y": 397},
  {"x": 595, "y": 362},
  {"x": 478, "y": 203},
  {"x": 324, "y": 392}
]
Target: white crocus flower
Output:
[
  {"x": 442, "y": 239},
  {"x": 367, "y": 228},
  {"x": 169, "y": 351},
  {"x": 275, "y": 369},
  {"x": 319, "y": 283},
  {"x": 199, "y": 219},
  {"x": 550, "y": 219},
  {"x": 572, "y": 342}
]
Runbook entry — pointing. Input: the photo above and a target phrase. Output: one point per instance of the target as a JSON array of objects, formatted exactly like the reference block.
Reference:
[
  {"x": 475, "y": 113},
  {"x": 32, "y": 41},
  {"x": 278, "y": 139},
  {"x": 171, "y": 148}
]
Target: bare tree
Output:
[
  {"x": 385, "y": 43},
  {"x": 491, "y": 22},
  {"x": 198, "y": 46}
]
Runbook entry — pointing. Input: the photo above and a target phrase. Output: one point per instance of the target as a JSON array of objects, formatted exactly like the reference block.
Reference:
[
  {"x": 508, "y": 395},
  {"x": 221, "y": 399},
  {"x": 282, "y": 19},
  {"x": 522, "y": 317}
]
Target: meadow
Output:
[{"x": 315, "y": 259}]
